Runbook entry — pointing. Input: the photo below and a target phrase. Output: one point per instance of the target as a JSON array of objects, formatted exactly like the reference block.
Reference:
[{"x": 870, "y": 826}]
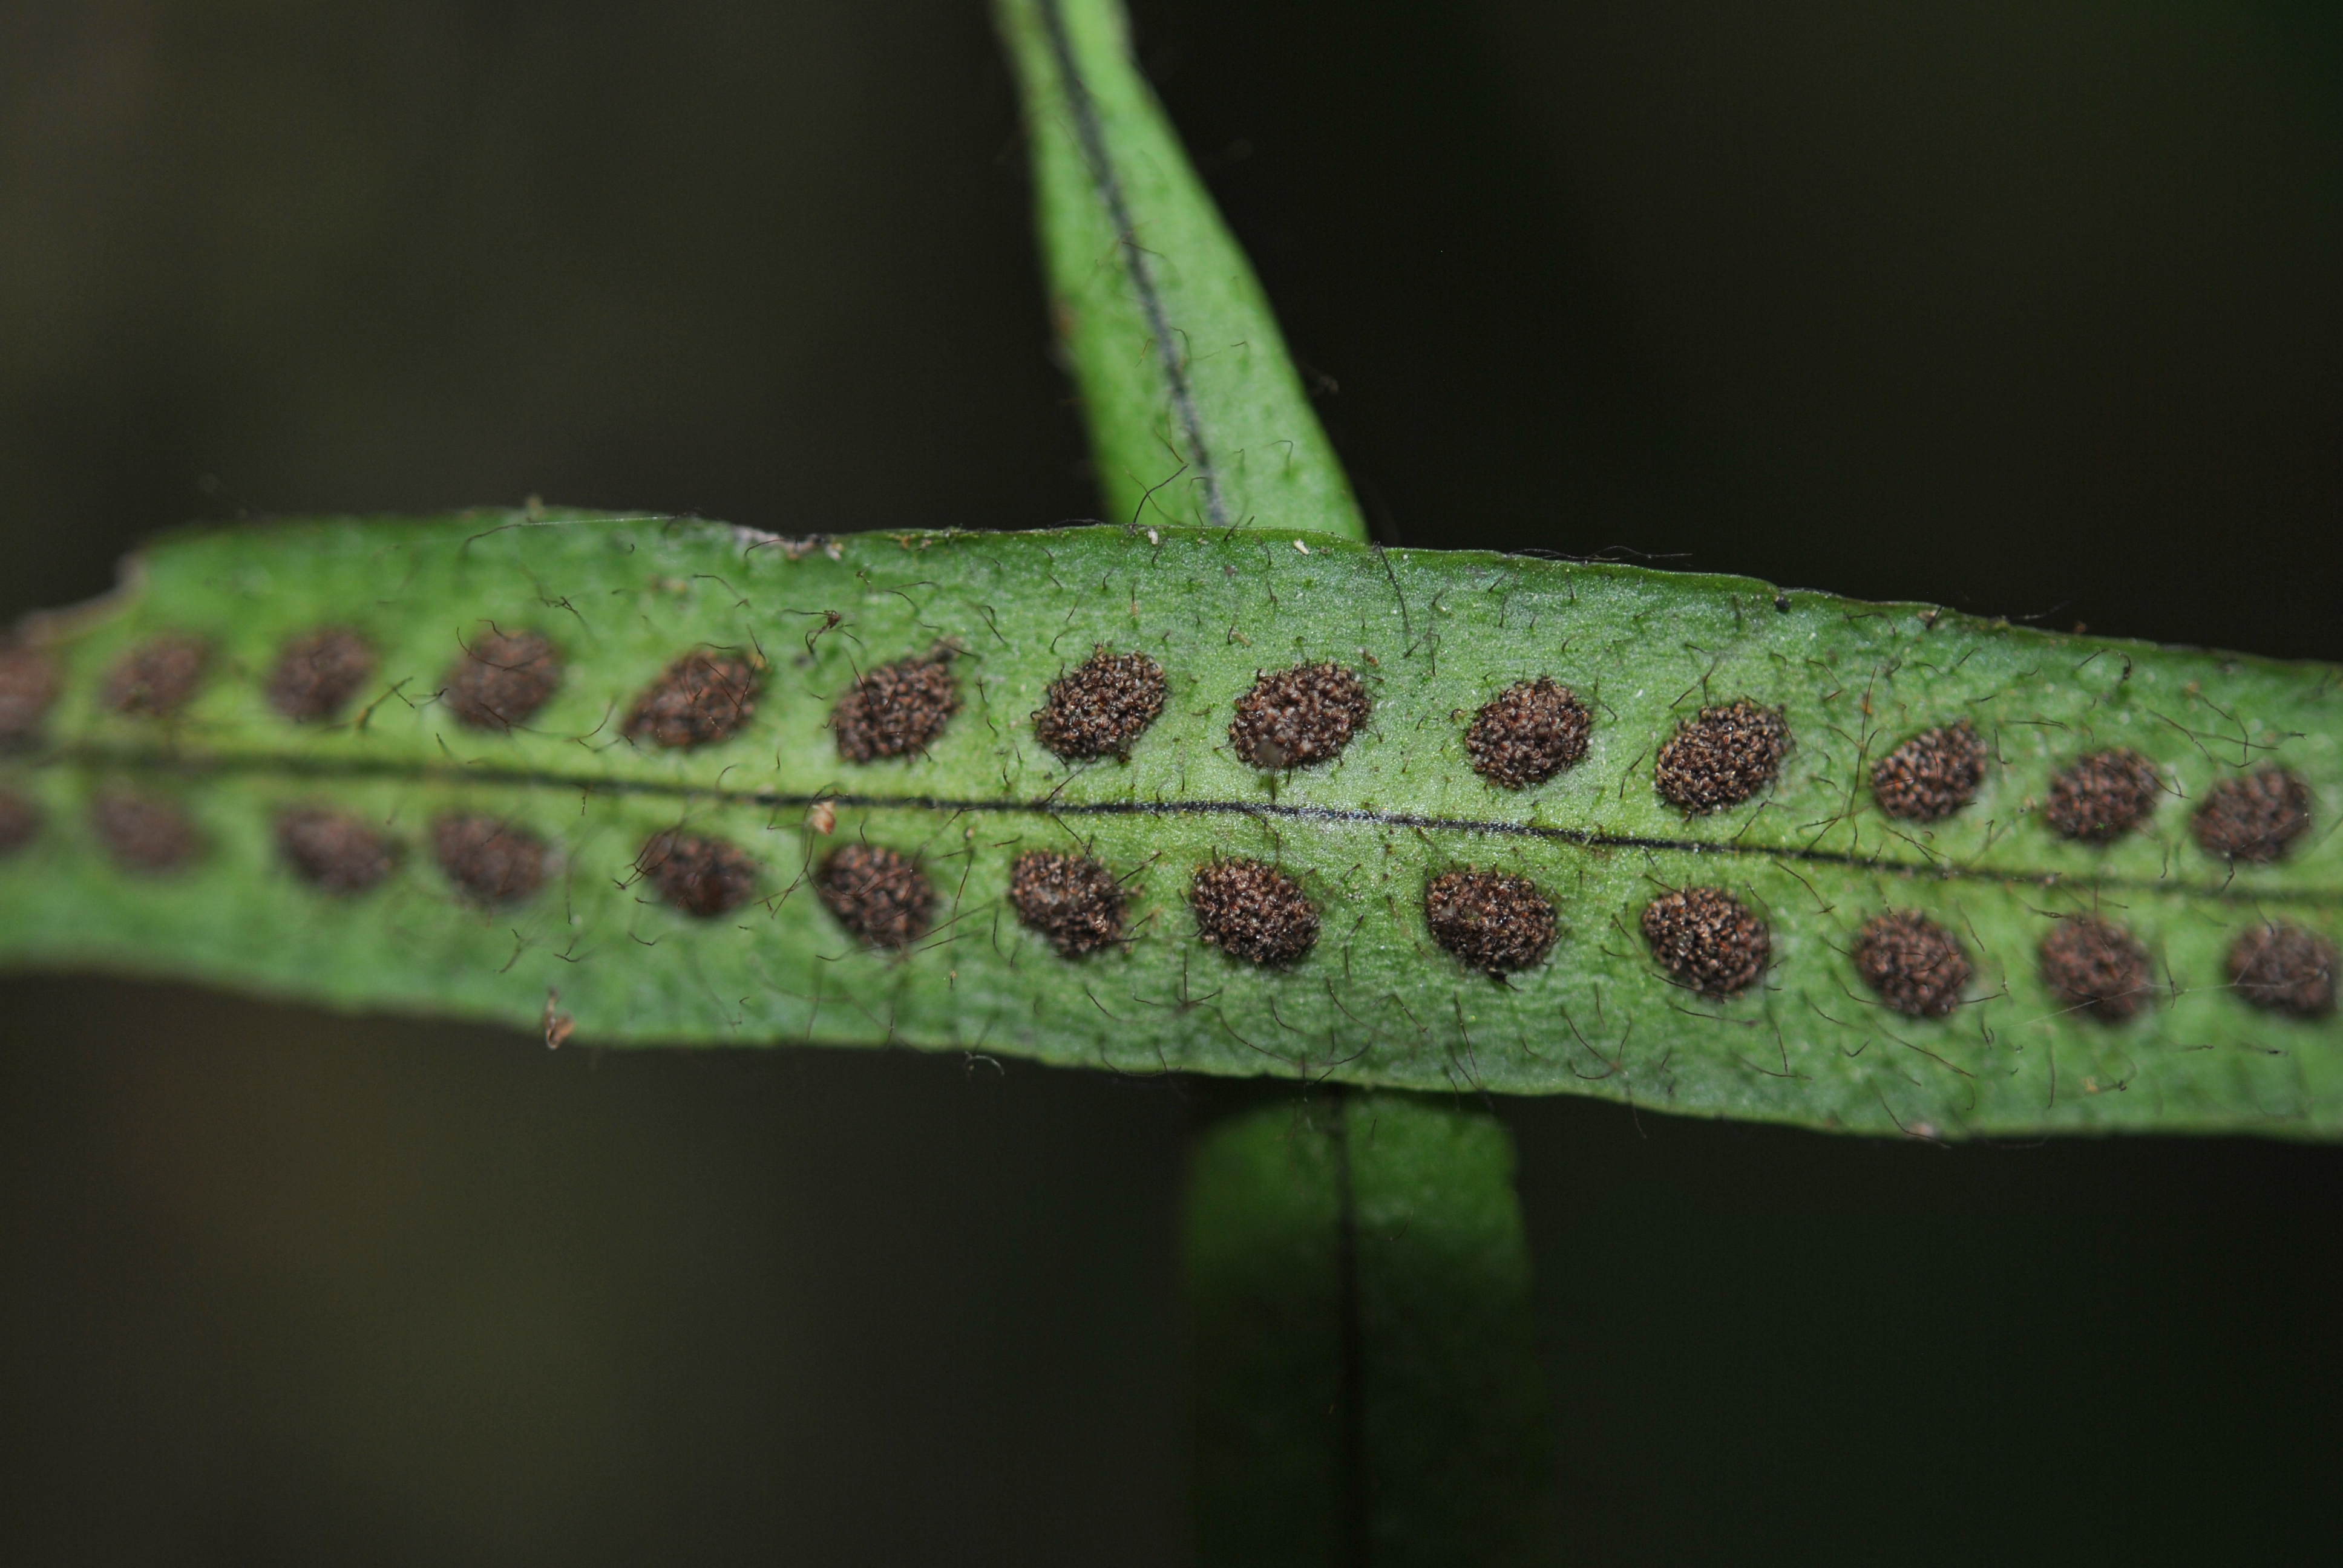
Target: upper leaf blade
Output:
[{"x": 1196, "y": 414}]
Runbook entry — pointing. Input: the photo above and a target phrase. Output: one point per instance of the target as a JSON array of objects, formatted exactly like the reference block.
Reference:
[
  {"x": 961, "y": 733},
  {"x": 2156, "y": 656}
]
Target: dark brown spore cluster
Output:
[
  {"x": 2098, "y": 967},
  {"x": 1253, "y": 911},
  {"x": 490, "y": 860},
  {"x": 319, "y": 672},
  {"x": 334, "y": 852},
  {"x": 1707, "y": 940},
  {"x": 2285, "y": 969},
  {"x": 28, "y": 684},
  {"x": 1721, "y": 758},
  {"x": 1294, "y": 718},
  {"x": 1915, "y": 964},
  {"x": 702, "y": 876},
  {"x": 143, "y": 834},
  {"x": 1527, "y": 733},
  {"x": 1071, "y": 900},
  {"x": 503, "y": 678},
  {"x": 2255, "y": 819},
  {"x": 879, "y": 895},
  {"x": 702, "y": 697},
  {"x": 1100, "y": 707},
  {"x": 1932, "y": 775},
  {"x": 895, "y": 709},
  {"x": 20, "y": 820},
  {"x": 1492, "y": 921},
  {"x": 2102, "y": 796},
  {"x": 156, "y": 678}
]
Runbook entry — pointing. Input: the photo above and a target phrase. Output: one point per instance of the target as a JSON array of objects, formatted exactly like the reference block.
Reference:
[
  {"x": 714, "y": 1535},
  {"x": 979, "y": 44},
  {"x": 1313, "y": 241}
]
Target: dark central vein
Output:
[
  {"x": 1092, "y": 136},
  {"x": 1051, "y": 806}
]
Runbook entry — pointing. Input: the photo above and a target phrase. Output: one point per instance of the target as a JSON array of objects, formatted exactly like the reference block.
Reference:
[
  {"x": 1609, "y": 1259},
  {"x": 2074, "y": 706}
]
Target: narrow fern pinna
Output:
[{"x": 1154, "y": 799}]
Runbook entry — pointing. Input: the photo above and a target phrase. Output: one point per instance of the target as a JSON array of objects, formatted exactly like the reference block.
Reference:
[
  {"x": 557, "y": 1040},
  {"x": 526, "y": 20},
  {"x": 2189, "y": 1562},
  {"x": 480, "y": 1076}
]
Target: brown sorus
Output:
[
  {"x": 2102, "y": 796},
  {"x": 157, "y": 677},
  {"x": 1932, "y": 775},
  {"x": 28, "y": 684},
  {"x": 1707, "y": 940},
  {"x": 2285, "y": 969},
  {"x": 1527, "y": 733},
  {"x": 702, "y": 697},
  {"x": 895, "y": 709},
  {"x": 879, "y": 895},
  {"x": 1721, "y": 758},
  {"x": 319, "y": 672},
  {"x": 1915, "y": 964},
  {"x": 490, "y": 860},
  {"x": 1292, "y": 717},
  {"x": 1491, "y": 921},
  {"x": 2096, "y": 966},
  {"x": 20, "y": 820},
  {"x": 2257, "y": 817},
  {"x": 334, "y": 852},
  {"x": 1102, "y": 705},
  {"x": 698, "y": 875},
  {"x": 502, "y": 680},
  {"x": 143, "y": 834},
  {"x": 1253, "y": 912},
  {"x": 1071, "y": 900}
]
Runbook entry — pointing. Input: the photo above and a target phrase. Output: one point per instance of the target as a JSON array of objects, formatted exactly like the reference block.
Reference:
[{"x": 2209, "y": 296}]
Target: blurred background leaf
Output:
[{"x": 2033, "y": 309}]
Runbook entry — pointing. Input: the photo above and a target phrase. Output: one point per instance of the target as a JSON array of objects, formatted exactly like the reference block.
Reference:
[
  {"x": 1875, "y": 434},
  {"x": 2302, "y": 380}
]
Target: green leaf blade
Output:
[
  {"x": 1433, "y": 635},
  {"x": 1367, "y": 1380},
  {"x": 1195, "y": 412}
]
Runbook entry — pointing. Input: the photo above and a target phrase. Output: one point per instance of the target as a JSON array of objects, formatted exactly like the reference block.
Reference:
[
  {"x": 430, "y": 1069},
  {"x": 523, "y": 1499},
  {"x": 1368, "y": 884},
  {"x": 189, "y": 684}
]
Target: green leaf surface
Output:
[
  {"x": 1432, "y": 635},
  {"x": 1367, "y": 1385},
  {"x": 1196, "y": 416}
]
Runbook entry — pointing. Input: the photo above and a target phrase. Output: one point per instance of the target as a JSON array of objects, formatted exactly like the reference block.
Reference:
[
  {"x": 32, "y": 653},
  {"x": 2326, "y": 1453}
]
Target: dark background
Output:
[{"x": 2036, "y": 308}]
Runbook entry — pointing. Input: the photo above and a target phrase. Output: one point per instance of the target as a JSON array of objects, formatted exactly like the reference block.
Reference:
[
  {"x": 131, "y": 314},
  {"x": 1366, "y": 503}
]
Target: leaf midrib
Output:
[{"x": 134, "y": 760}]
